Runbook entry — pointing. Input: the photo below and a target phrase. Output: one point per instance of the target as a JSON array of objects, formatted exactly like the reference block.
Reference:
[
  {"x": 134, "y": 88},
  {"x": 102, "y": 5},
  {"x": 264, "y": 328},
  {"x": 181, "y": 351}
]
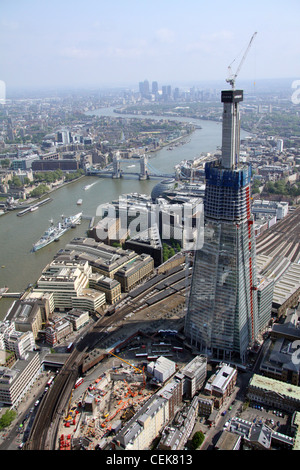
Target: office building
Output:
[
  {"x": 194, "y": 375},
  {"x": 110, "y": 287},
  {"x": 142, "y": 429},
  {"x": 274, "y": 393},
  {"x": 221, "y": 384},
  {"x": 15, "y": 382},
  {"x": 66, "y": 280},
  {"x": 222, "y": 313},
  {"x": 58, "y": 330},
  {"x": 162, "y": 369},
  {"x": 89, "y": 299},
  {"x": 154, "y": 87},
  {"x": 19, "y": 342}
]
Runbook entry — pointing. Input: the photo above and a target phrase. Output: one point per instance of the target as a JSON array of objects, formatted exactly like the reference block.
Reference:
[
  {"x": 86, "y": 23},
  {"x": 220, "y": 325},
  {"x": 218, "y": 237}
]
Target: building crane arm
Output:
[
  {"x": 118, "y": 357},
  {"x": 232, "y": 77}
]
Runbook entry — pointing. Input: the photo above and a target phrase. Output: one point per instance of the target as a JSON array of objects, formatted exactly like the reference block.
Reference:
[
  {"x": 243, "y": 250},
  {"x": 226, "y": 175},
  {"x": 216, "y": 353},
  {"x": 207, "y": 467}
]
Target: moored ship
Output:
[{"x": 54, "y": 232}]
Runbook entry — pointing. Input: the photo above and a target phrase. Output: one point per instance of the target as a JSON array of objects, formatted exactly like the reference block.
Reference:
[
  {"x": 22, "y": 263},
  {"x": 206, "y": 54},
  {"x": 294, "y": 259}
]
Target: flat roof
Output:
[{"x": 276, "y": 386}]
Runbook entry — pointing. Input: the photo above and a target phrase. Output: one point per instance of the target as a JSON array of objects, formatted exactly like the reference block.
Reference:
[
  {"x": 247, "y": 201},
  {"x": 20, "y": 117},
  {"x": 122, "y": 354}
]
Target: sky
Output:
[{"x": 94, "y": 43}]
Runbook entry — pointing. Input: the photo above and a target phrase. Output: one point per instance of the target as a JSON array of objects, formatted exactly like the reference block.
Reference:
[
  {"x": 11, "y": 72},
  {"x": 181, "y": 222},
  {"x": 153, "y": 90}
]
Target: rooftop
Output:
[{"x": 275, "y": 386}]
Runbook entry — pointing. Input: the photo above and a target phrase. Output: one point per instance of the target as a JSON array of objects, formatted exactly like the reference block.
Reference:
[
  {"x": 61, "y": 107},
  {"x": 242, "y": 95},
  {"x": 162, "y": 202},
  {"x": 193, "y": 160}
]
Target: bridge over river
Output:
[{"x": 114, "y": 170}]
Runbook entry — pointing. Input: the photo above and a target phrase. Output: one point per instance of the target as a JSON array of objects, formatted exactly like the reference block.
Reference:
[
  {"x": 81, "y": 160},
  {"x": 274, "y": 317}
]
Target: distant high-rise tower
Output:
[
  {"x": 144, "y": 88},
  {"x": 222, "y": 314},
  {"x": 154, "y": 87}
]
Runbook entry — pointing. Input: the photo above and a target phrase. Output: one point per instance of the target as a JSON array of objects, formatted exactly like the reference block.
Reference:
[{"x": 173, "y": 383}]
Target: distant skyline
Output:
[{"x": 96, "y": 43}]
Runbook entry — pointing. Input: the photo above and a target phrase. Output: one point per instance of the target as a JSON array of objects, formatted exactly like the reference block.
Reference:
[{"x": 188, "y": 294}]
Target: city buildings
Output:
[
  {"x": 194, "y": 375},
  {"x": 161, "y": 369},
  {"x": 221, "y": 384},
  {"x": 16, "y": 380},
  {"x": 274, "y": 393},
  {"x": 124, "y": 266},
  {"x": 65, "y": 280},
  {"x": 163, "y": 408},
  {"x": 222, "y": 313}
]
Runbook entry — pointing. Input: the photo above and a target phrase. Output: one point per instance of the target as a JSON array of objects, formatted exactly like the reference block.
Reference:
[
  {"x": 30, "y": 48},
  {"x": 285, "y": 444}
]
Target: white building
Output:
[
  {"x": 161, "y": 369},
  {"x": 19, "y": 342},
  {"x": 270, "y": 208},
  {"x": 66, "y": 279},
  {"x": 145, "y": 425},
  {"x": 89, "y": 299},
  {"x": 280, "y": 145},
  {"x": 15, "y": 381}
]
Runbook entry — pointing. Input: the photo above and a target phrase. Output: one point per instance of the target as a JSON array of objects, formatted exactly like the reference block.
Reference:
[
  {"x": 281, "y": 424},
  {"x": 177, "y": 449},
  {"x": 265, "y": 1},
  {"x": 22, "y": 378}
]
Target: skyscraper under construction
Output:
[{"x": 222, "y": 313}]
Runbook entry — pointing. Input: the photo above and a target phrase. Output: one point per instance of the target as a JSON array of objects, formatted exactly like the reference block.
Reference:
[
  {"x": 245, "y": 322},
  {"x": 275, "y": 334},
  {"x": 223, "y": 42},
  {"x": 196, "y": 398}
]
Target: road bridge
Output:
[{"x": 114, "y": 170}]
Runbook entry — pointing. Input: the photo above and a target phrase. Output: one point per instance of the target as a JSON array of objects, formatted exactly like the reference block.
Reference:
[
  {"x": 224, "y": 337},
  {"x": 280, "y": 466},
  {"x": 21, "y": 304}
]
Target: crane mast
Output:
[{"x": 231, "y": 79}]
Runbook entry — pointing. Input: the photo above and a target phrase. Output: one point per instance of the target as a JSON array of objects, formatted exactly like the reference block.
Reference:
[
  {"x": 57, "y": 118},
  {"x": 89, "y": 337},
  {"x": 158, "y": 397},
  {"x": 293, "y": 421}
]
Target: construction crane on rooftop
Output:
[{"x": 232, "y": 77}]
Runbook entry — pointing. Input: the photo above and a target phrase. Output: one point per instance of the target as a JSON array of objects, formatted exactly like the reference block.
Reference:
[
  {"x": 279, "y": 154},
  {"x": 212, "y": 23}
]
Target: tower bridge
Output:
[{"x": 114, "y": 170}]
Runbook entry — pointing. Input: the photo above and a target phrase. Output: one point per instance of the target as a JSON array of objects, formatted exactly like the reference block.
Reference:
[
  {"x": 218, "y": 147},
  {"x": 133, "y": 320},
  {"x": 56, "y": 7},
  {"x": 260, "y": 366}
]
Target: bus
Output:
[
  {"x": 78, "y": 382},
  {"x": 50, "y": 381}
]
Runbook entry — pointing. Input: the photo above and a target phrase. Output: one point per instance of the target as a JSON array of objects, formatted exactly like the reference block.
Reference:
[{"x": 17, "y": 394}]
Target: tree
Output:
[
  {"x": 198, "y": 439},
  {"x": 39, "y": 191},
  {"x": 7, "y": 418},
  {"x": 255, "y": 186},
  {"x": 5, "y": 163},
  {"x": 16, "y": 182}
]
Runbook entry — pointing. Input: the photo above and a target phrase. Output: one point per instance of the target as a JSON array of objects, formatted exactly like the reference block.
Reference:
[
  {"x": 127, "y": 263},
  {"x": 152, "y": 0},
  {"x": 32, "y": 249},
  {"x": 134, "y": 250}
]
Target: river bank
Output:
[
  {"x": 33, "y": 201},
  {"x": 19, "y": 233}
]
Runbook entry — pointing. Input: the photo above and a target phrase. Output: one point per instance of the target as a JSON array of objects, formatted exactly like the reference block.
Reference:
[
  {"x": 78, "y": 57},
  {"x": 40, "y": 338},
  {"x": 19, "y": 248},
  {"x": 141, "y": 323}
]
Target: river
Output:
[{"x": 19, "y": 266}]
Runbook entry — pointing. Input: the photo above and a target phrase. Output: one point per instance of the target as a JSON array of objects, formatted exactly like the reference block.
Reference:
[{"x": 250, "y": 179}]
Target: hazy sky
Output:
[{"x": 121, "y": 42}]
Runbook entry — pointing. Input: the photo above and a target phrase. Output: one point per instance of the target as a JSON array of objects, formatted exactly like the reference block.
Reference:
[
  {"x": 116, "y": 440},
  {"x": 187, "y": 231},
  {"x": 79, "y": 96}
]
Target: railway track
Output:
[
  {"x": 282, "y": 238},
  {"x": 52, "y": 405},
  {"x": 43, "y": 435}
]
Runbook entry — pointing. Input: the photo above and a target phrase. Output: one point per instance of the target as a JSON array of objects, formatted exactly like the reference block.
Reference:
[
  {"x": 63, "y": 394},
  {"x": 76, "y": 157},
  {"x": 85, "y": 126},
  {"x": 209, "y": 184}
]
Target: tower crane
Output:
[
  {"x": 118, "y": 357},
  {"x": 232, "y": 77}
]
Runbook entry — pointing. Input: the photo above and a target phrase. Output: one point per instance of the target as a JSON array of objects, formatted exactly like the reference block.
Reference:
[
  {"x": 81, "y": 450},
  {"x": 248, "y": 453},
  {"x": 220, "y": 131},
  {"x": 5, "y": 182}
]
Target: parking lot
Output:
[{"x": 275, "y": 419}]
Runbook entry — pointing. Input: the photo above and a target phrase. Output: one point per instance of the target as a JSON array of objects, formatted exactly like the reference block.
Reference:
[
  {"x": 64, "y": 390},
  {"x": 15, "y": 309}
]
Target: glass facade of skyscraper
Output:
[{"x": 222, "y": 312}]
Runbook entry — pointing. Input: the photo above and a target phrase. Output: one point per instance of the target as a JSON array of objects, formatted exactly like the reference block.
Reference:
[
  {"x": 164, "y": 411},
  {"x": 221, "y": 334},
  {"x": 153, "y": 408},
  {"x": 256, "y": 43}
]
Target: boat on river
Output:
[
  {"x": 54, "y": 232},
  {"x": 88, "y": 186}
]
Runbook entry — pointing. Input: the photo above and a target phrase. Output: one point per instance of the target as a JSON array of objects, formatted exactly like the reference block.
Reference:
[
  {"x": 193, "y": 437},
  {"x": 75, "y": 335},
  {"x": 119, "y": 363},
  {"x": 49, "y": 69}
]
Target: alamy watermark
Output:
[
  {"x": 2, "y": 357},
  {"x": 180, "y": 222},
  {"x": 296, "y": 94},
  {"x": 296, "y": 353},
  {"x": 2, "y": 92}
]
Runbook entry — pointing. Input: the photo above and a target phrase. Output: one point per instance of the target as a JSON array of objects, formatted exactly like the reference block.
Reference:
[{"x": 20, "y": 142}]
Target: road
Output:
[
  {"x": 44, "y": 427},
  {"x": 236, "y": 401}
]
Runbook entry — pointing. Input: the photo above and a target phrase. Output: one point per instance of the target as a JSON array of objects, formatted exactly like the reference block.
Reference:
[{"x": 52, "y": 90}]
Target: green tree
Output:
[
  {"x": 197, "y": 440},
  {"x": 15, "y": 181},
  {"x": 7, "y": 418},
  {"x": 5, "y": 163},
  {"x": 39, "y": 191},
  {"x": 255, "y": 186}
]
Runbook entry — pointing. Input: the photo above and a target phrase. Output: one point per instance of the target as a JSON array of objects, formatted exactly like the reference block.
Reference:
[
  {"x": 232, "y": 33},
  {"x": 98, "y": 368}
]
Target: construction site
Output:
[{"x": 116, "y": 388}]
